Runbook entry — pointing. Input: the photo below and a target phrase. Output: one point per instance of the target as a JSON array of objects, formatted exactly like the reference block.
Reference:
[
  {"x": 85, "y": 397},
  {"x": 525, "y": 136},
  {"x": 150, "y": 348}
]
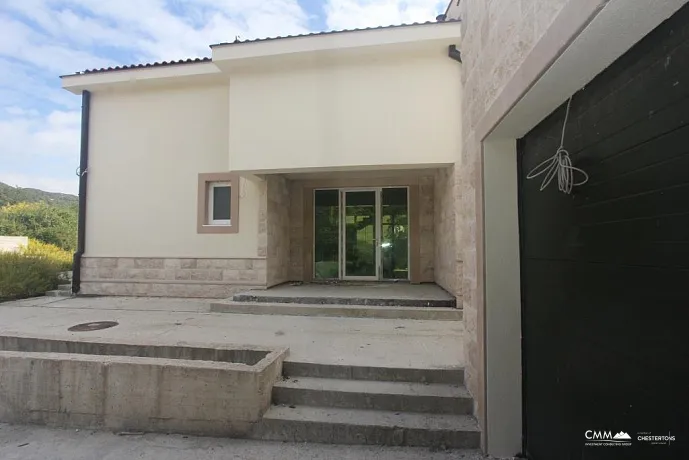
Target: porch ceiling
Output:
[{"x": 348, "y": 172}]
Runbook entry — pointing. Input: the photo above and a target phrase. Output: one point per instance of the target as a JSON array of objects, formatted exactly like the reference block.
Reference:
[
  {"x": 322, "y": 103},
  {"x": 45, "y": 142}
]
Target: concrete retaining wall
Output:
[
  {"x": 135, "y": 393},
  {"x": 12, "y": 243}
]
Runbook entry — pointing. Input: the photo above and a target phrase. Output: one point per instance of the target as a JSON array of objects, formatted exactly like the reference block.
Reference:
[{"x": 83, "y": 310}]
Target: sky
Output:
[{"x": 43, "y": 39}]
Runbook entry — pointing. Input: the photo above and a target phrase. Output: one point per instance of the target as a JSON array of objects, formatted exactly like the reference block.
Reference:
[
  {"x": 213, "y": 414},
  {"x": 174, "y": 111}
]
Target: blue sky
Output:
[{"x": 43, "y": 39}]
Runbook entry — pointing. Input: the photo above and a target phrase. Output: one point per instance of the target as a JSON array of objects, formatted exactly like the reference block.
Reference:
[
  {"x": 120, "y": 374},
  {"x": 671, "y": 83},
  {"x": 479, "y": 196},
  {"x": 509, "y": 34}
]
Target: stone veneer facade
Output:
[
  {"x": 427, "y": 240},
  {"x": 278, "y": 230},
  {"x": 497, "y": 37},
  {"x": 446, "y": 256},
  {"x": 170, "y": 277}
]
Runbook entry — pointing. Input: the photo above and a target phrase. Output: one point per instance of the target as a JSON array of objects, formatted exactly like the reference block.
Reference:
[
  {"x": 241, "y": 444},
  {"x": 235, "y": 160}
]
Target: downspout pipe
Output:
[
  {"x": 454, "y": 53},
  {"x": 82, "y": 172}
]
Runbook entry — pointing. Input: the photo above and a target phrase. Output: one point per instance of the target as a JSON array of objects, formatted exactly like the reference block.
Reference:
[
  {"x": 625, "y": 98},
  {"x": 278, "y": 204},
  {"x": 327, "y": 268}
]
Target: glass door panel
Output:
[
  {"x": 395, "y": 233},
  {"x": 360, "y": 234},
  {"x": 326, "y": 220}
]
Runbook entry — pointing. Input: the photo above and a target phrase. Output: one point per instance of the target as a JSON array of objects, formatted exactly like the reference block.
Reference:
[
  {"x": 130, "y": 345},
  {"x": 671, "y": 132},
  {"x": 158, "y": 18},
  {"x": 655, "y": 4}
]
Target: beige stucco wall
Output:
[
  {"x": 401, "y": 110},
  {"x": 497, "y": 37},
  {"x": 146, "y": 151}
]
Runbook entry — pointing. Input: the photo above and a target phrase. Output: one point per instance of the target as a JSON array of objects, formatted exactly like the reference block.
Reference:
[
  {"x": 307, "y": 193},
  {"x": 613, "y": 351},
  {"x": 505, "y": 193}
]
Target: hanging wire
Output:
[{"x": 559, "y": 165}]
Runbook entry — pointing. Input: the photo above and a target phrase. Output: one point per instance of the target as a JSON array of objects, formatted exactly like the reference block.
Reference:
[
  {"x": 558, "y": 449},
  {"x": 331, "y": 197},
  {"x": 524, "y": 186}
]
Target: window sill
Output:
[{"x": 217, "y": 228}]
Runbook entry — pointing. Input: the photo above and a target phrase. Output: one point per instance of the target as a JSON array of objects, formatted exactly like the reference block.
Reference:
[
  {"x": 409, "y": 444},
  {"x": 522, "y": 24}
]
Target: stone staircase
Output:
[
  {"x": 64, "y": 289},
  {"x": 371, "y": 405},
  {"x": 368, "y": 300}
]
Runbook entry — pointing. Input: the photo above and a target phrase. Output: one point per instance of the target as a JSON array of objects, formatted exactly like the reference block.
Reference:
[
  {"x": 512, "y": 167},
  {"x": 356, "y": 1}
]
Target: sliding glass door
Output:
[{"x": 361, "y": 234}]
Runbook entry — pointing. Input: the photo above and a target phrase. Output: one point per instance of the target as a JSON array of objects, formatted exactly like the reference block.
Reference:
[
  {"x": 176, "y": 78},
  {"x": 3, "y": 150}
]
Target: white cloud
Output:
[
  {"x": 27, "y": 136},
  {"x": 20, "y": 112},
  {"x": 351, "y": 14},
  {"x": 48, "y": 184}
]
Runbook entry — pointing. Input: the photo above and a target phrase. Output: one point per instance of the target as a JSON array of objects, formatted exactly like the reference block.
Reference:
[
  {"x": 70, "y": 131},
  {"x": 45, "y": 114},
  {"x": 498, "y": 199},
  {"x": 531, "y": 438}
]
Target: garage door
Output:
[{"x": 605, "y": 270}]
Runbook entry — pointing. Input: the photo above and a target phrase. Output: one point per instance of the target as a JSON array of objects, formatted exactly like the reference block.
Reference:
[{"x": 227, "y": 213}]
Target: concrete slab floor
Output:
[
  {"x": 331, "y": 340},
  {"x": 404, "y": 291},
  {"x": 38, "y": 443}
]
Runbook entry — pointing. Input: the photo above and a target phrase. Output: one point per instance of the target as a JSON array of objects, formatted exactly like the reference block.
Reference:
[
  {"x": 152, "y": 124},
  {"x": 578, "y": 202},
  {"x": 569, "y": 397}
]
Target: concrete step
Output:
[
  {"x": 65, "y": 287},
  {"x": 58, "y": 293},
  {"x": 374, "y": 427},
  {"x": 452, "y": 376},
  {"x": 268, "y": 296},
  {"x": 348, "y": 311},
  {"x": 366, "y": 394}
]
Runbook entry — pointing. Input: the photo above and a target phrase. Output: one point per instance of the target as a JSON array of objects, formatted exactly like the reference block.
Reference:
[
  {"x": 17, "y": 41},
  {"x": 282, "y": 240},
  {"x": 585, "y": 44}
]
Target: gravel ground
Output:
[{"x": 39, "y": 443}]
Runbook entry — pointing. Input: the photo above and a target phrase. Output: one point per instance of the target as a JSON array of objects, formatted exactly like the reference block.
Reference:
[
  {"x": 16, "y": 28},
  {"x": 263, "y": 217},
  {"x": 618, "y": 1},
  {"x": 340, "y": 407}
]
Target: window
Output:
[
  {"x": 218, "y": 203},
  {"x": 219, "y": 206}
]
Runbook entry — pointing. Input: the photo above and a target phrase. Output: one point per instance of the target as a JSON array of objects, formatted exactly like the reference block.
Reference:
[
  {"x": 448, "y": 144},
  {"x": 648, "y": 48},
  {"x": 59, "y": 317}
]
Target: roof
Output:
[
  {"x": 142, "y": 66},
  {"x": 256, "y": 40},
  {"x": 332, "y": 32}
]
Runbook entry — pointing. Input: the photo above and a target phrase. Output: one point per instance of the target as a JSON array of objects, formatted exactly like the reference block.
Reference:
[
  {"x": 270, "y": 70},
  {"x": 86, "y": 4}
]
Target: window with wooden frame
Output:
[{"x": 218, "y": 203}]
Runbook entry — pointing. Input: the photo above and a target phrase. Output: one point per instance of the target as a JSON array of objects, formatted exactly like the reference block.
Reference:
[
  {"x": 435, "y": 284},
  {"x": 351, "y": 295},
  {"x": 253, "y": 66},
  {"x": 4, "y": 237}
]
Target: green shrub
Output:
[
  {"x": 48, "y": 223},
  {"x": 32, "y": 271}
]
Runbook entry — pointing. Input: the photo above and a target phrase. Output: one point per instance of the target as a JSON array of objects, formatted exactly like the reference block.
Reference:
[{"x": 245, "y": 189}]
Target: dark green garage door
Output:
[{"x": 605, "y": 270}]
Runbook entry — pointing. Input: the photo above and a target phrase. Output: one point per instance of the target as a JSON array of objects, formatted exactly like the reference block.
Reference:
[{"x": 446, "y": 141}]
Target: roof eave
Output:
[
  {"x": 153, "y": 75},
  {"x": 330, "y": 43}
]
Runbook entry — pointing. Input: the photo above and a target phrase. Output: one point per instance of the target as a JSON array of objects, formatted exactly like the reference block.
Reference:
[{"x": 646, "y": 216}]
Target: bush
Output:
[
  {"x": 32, "y": 271},
  {"x": 48, "y": 223}
]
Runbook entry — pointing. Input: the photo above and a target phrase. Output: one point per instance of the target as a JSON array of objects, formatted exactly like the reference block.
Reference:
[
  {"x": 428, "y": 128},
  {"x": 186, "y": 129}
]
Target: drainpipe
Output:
[
  {"x": 454, "y": 53},
  {"x": 82, "y": 173}
]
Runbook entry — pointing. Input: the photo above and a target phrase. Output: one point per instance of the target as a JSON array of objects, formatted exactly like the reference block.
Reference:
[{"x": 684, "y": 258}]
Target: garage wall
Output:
[{"x": 605, "y": 269}]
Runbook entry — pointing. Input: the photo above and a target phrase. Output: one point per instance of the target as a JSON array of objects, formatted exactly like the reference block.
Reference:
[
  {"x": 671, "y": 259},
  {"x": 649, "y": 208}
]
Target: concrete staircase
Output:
[
  {"x": 64, "y": 289},
  {"x": 345, "y": 311},
  {"x": 371, "y": 405},
  {"x": 368, "y": 300}
]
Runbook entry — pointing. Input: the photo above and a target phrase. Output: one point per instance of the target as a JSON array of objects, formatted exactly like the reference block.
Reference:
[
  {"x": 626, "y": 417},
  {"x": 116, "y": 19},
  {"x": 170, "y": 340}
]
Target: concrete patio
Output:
[
  {"x": 400, "y": 294},
  {"x": 163, "y": 321}
]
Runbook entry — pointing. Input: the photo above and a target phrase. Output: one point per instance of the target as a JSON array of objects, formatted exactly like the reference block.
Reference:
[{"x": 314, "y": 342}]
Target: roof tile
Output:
[{"x": 237, "y": 41}]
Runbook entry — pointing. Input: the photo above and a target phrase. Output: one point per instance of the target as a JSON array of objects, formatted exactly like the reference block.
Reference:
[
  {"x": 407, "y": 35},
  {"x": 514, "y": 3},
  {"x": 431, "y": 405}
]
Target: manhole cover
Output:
[{"x": 93, "y": 326}]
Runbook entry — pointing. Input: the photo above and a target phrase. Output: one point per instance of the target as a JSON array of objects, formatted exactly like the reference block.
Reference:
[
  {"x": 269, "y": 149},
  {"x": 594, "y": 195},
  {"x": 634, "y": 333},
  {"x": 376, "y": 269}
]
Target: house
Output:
[
  {"x": 374, "y": 154},
  {"x": 328, "y": 156}
]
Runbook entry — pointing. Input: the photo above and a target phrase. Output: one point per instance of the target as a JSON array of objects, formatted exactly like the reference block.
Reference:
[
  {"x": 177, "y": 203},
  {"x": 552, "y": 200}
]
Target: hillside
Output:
[{"x": 11, "y": 195}]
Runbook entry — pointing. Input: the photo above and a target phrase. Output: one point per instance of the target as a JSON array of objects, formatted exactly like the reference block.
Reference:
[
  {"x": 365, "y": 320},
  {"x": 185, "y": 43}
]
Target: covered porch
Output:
[{"x": 392, "y": 225}]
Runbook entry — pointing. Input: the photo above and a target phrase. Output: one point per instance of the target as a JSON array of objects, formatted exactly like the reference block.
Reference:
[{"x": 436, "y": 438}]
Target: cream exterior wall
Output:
[
  {"x": 497, "y": 37},
  {"x": 146, "y": 151},
  {"x": 399, "y": 110}
]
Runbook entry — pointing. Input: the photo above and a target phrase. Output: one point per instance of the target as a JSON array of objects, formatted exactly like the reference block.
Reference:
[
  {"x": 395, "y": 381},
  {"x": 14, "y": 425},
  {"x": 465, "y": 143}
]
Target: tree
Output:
[{"x": 51, "y": 224}]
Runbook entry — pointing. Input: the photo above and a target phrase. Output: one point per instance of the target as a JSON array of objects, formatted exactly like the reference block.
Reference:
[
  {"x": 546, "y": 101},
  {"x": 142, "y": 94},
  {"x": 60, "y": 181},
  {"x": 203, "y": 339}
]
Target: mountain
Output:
[{"x": 11, "y": 195}]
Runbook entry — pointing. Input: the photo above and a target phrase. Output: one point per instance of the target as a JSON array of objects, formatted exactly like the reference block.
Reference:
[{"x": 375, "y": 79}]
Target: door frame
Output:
[{"x": 412, "y": 229}]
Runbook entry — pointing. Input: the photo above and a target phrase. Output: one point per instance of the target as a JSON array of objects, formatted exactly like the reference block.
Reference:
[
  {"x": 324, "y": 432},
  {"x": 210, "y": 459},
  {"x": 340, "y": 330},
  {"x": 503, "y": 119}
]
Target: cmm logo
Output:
[{"x": 606, "y": 438}]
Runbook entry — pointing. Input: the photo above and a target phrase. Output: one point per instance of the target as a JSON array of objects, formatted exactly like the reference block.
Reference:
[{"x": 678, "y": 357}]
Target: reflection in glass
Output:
[
  {"x": 360, "y": 233},
  {"x": 326, "y": 225},
  {"x": 395, "y": 233}
]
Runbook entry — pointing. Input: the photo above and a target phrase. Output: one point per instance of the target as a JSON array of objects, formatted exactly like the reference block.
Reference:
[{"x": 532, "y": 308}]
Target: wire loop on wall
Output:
[{"x": 559, "y": 165}]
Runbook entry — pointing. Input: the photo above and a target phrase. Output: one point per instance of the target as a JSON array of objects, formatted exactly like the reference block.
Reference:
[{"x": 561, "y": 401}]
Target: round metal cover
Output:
[{"x": 94, "y": 326}]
